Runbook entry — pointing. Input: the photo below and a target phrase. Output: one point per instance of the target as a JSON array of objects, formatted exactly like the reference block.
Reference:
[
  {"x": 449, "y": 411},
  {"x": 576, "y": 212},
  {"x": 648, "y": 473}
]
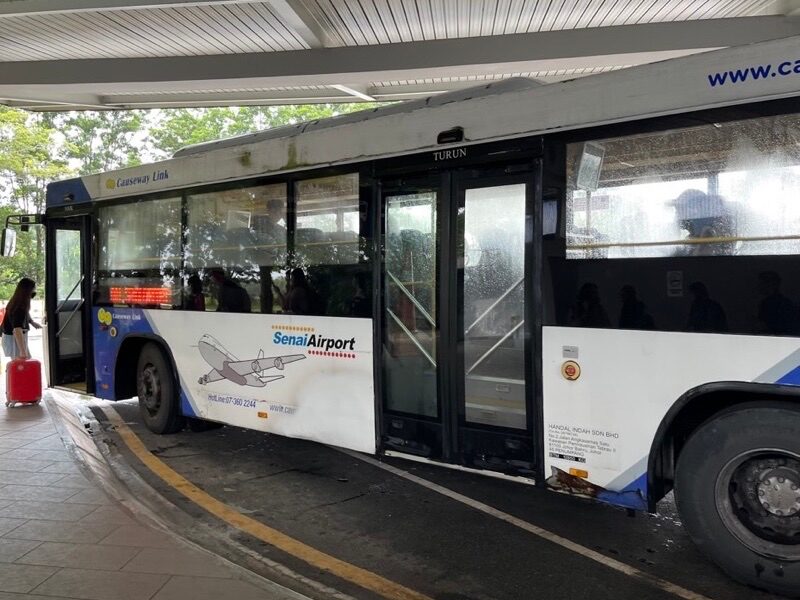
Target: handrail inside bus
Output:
[
  {"x": 493, "y": 305},
  {"x": 411, "y": 297},
  {"x": 685, "y": 241},
  {"x": 410, "y": 335},
  {"x": 489, "y": 352},
  {"x": 65, "y": 300},
  {"x": 69, "y": 318}
]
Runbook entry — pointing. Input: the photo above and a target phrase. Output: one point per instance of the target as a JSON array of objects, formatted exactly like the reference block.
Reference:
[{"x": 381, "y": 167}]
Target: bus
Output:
[{"x": 590, "y": 285}]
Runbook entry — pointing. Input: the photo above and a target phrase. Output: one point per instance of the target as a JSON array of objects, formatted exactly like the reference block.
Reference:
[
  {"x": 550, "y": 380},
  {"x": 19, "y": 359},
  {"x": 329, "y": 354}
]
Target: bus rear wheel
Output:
[
  {"x": 155, "y": 385},
  {"x": 738, "y": 493}
]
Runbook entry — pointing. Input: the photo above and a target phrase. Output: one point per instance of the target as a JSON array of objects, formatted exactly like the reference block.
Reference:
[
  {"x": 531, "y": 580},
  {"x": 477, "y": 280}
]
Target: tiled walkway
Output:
[{"x": 62, "y": 537}]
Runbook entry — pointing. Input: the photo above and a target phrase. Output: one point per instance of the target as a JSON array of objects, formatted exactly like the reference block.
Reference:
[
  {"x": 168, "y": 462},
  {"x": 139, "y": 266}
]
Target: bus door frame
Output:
[
  {"x": 72, "y": 219},
  {"x": 462, "y": 434},
  {"x": 523, "y": 163}
]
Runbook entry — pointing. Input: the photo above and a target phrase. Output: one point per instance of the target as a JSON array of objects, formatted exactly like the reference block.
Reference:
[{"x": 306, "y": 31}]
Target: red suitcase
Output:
[{"x": 23, "y": 381}]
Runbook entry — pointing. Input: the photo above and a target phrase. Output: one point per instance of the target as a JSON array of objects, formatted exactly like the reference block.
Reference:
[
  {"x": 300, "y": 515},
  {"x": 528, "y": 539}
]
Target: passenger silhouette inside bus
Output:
[
  {"x": 231, "y": 297},
  {"x": 300, "y": 298},
  {"x": 272, "y": 223},
  {"x": 588, "y": 310},
  {"x": 777, "y": 314},
  {"x": 705, "y": 315},
  {"x": 360, "y": 304},
  {"x": 704, "y": 217},
  {"x": 194, "y": 298},
  {"x": 633, "y": 314}
]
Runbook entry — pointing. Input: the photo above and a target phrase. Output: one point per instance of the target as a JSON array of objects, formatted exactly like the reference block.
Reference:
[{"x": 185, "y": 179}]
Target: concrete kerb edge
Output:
[{"x": 139, "y": 498}]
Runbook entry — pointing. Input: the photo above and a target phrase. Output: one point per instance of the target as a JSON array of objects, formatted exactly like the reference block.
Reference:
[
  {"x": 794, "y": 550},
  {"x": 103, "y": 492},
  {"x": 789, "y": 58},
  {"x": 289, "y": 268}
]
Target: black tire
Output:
[
  {"x": 200, "y": 425},
  {"x": 725, "y": 476},
  {"x": 158, "y": 399}
]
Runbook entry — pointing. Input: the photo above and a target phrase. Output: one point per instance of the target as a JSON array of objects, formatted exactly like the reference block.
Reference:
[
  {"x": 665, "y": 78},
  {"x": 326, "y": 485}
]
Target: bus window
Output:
[
  {"x": 330, "y": 242},
  {"x": 236, "y": 243},
  {"x": 686, "y": 230},
  {"x": 716, "y": 190},
  {"x": 328, "y": 221},
  {"x": 139, "y": 253}
]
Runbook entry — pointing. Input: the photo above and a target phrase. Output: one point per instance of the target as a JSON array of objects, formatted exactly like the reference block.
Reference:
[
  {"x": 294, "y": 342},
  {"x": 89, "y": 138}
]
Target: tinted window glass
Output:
[
  {"x": 331, "y": 273},
  {"x": 139, "y": 253},
  {"x": 715, "y": 190},
  {"x": 235, "y": 248},
  {"x": 702, "y": 224}
]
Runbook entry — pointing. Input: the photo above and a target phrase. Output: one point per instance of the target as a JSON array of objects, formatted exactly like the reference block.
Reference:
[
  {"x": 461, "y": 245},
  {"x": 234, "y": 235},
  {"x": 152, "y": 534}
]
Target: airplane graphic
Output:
[{"x": 225, "y": 365}]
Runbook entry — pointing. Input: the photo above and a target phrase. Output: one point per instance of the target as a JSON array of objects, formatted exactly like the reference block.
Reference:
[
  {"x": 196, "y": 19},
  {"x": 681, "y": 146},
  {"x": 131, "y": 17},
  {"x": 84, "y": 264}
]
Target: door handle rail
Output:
[
  {"x": 491, "y": 350},
  {"x": 411, "y": 336},
  {"x": 411, "y": 297},
  {"x": 69, "y": 318},
  {"x": 65, "y": 300},
  {"x": 493, "y": 305}
]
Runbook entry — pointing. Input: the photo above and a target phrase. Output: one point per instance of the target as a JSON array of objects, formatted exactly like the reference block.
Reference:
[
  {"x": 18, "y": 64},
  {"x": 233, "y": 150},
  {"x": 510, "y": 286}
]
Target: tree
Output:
[
  {"x": 175, "y": 129},
  {"x": 28, "y": 162},
  {"x": 96, "y": 141}
]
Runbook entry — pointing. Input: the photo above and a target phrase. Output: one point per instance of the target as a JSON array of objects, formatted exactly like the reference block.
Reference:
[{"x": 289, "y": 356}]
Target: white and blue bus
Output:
[{"x": 593, "y": 285}]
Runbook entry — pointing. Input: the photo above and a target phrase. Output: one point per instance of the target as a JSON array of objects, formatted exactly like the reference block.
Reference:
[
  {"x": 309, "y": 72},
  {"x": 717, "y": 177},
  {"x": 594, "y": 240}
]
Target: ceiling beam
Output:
[
  {"x": 356, "y": 91},
  {"x": 295, "y": 15},
  {"x": 225, "y": 97},
  {"x": 25, "y": 8},
  {"x": 39, "y": 103},
  {"x": 579, "y": 48}
]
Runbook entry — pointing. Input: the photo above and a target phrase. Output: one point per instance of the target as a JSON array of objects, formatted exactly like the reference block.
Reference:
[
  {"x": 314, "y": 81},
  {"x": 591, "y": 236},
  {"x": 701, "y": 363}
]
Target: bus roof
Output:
[{"x": 501, "y": 110}]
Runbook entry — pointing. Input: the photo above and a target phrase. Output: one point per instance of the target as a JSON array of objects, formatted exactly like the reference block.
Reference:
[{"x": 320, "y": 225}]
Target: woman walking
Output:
[{"x": 17, "y": 321}]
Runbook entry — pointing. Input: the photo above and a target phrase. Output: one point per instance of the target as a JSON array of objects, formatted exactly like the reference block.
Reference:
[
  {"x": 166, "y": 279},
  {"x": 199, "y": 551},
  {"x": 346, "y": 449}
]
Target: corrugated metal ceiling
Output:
[
  {"x": 255, "y": 26},
  {"x": 363, "y": 22},
  {"x": 336, "y": 50}
]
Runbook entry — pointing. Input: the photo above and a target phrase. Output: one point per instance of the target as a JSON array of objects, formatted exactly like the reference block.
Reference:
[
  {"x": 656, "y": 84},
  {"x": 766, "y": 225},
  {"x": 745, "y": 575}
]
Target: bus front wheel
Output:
[
  {"x": 737, "y": 487},
  {"x": 155, "y": 385}
]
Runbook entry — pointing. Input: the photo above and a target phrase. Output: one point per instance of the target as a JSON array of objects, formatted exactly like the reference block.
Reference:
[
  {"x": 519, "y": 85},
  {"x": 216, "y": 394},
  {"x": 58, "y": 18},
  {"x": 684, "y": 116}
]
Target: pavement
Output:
[
  {"x": 253, "y": 515},
  {"x": 62, "y": 536}
]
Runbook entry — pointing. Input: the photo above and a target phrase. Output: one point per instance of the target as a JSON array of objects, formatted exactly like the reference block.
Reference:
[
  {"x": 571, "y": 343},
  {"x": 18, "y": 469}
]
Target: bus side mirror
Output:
[{"x": 8, "y": 243}]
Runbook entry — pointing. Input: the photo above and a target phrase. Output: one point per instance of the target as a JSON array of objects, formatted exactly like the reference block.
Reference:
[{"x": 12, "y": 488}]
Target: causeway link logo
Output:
[
  {"x": 111, "y": 184},
  {"x": 104, "y": 317}
]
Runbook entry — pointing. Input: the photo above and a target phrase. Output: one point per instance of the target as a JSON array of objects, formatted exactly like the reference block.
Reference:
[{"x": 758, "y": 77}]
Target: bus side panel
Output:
[
  {"x": 298, "y": 376},
  {"x": 598, "y": 429}
]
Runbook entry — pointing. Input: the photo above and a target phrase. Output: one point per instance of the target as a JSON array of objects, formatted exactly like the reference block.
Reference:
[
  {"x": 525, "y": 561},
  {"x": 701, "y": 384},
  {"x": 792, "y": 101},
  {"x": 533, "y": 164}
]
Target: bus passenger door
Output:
[
  {"x": 67, "y": 306},
  {"x": 412, "y": 407},
  {"x": 457, "y": 334},
  {"x": 494, "y": 333}
]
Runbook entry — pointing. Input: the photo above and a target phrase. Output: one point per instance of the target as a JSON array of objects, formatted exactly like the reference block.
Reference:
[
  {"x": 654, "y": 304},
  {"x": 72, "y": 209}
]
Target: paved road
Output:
[{"x": 421, "y": 539}]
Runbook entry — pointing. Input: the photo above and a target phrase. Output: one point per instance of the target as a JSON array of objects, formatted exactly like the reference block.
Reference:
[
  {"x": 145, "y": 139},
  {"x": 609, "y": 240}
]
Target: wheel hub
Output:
[
  {"x": 779, "y": 492},
  {"x": 151, "y": 392},
  {"x": 758, "y": 499}
]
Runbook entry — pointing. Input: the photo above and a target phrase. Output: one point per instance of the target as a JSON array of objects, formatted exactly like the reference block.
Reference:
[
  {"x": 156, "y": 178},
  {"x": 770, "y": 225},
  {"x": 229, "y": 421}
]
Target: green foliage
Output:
[
  {"x": 175, "y": 129},
  {"x": 28, "y": 161},
  {"x": 37, "y": 148},
  {"x": 101, "y": 141}
]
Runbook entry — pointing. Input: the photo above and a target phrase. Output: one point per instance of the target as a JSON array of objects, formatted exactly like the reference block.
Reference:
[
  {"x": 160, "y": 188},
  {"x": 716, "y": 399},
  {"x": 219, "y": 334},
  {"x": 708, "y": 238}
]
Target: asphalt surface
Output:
[{"x": 421, "y": 539}]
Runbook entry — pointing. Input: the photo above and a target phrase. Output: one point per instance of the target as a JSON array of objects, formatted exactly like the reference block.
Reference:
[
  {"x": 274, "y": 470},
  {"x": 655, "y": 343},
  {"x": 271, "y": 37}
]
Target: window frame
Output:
[
  {"x": 556, "y": 147},
  {"x": 366, "y": 203}
]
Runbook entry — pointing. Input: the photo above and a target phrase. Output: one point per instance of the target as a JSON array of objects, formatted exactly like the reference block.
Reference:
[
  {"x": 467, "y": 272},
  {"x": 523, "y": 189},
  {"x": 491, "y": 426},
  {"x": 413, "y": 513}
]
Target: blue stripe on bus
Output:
[
  {"x": 633, "y": 495},
  {"x": 187, "y": 410},
  {"x": 791, "y": 378}
]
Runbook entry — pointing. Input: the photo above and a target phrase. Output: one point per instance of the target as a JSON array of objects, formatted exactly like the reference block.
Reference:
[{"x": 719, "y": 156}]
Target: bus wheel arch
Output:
[{"x": 693, "y": 409}]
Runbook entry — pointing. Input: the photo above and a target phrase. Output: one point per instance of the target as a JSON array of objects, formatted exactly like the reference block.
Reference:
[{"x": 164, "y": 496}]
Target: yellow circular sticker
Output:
[
  {"x": 571, "y": 370},
  {"x": 112, "y": 331}
]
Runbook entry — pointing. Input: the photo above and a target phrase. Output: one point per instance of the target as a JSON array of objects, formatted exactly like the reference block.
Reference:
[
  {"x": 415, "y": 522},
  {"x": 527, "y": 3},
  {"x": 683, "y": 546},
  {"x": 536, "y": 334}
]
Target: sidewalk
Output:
[{"x": 62, "y": 537}]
